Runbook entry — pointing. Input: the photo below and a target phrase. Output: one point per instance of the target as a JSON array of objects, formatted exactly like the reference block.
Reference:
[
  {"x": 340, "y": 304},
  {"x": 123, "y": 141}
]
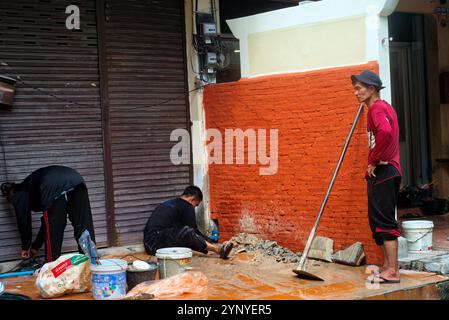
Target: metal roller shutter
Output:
[
  {"x": 145, "y": 68},
  {"x": 41, "y": 130}
]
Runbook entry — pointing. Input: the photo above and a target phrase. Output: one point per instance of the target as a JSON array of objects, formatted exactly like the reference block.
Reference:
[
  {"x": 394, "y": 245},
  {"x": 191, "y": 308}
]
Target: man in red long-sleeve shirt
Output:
[{"x": 383, "y": 173}]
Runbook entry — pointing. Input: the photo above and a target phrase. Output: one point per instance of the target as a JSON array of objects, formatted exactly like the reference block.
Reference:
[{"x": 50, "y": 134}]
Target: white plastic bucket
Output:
[
  {"x": 173, "y": 261},
  {"x": 109, "y": 279},
  {"x": 418, "y": 234}
]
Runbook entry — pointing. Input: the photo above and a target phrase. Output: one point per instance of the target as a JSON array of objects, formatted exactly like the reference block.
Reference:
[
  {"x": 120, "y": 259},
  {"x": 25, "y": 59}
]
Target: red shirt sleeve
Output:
[{"x": 383, "y": 135}]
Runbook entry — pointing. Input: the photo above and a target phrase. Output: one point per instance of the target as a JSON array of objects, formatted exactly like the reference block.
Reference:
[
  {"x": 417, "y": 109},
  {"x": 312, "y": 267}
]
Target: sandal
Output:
[
  {"x": 380, "y": 280},
  {"x": 384, "y": 280},
  {"x": 226, "y": 249}
]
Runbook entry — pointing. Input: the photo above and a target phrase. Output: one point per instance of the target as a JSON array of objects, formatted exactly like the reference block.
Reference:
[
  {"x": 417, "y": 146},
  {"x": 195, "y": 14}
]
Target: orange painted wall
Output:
[{"x": 313, "y": 112}]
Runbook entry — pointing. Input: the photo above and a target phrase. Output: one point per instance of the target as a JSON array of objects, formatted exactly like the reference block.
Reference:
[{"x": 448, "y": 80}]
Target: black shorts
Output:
[{"x": 383, "y": 193}]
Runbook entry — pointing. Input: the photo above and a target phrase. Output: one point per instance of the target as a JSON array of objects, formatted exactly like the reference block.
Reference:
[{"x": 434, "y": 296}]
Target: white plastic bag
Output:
[{"x": 70, "y": 273}]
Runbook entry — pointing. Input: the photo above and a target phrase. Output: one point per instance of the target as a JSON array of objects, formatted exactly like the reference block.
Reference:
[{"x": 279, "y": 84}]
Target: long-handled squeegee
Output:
[{"x": 301, "y": 269}]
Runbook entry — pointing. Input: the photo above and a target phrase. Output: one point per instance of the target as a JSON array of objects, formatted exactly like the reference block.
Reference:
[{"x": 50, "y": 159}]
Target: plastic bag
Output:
[
  {"x": 89, "y": 247},
  {"x": 185, "y": 282},
  {"x": 70, "y": 273}
]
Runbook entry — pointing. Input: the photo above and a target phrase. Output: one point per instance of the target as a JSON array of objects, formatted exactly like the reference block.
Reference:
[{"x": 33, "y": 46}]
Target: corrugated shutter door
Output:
[
  {"x": 145, "y": 66},
  {"x": 41, "y": 130}
]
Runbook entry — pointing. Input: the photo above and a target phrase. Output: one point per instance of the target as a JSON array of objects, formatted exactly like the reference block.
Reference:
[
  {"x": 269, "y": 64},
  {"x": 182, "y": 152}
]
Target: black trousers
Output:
[
  {"x": 77, "y": 208},
  {"x": 171, "y": 237},
  {"x": 383, "y": 191}
]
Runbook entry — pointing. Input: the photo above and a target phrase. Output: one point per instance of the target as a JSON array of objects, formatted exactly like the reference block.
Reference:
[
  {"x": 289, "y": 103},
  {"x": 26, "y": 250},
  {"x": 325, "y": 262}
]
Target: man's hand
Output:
[
  {"x": 370, "y": 170},
  {"x": 26, "y": 254}
]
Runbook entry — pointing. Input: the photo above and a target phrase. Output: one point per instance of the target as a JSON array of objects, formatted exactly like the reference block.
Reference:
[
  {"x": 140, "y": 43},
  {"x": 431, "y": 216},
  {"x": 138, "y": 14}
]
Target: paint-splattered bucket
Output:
[
  {"x": 173, "y": 261},
  {"x": 418, "y": 234},
  {"x": 109, "y": 279}
]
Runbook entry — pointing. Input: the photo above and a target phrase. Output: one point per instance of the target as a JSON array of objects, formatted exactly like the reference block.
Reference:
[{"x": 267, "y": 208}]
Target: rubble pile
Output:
[
  {"x": 250, "y": 243},
  {"x": 321, "y": 249}
]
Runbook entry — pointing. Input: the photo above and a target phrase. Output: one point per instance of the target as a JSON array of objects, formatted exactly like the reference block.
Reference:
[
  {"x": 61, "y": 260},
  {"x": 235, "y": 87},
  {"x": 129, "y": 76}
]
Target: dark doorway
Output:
[{"x": 408, "y": 81}]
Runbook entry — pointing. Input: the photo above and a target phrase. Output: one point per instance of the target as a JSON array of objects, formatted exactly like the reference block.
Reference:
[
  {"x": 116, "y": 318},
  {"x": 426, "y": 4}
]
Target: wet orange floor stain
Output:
[
  {"x": 244, "y": 279},
  {"x": 326, "y": 290},
  {"x": 247, "y": 279},
  {"x": 244, "y": 256}
]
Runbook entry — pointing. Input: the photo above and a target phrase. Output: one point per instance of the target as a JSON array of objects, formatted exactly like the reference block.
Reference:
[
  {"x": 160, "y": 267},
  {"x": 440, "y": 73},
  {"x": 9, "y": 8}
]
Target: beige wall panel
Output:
[{"x": 303, "y": 48}]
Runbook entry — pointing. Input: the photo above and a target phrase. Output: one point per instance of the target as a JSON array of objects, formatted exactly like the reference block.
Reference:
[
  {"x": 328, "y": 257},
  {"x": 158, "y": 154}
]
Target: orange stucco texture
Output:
[{"x": 313, "y": 113}]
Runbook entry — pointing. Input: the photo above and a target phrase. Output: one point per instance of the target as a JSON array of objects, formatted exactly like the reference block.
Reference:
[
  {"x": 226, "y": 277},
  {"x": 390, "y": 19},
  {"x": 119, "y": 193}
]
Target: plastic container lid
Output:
[
  {"x": 109, "y": 265},
  {"x": 417, "y": 224},
  {"x": 174, "y": 253},
  {"x": 141, "y": 265},
  {"x": 151, "y": 267}
]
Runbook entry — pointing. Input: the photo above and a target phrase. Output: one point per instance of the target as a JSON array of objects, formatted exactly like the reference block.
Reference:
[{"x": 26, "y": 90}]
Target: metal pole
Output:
[{"x": 331, "y": 184}]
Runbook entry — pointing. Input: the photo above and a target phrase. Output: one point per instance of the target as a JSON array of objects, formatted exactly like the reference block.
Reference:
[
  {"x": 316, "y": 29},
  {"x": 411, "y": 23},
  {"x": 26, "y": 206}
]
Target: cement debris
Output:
[
  {"x": 322, "y": 249},
  {"x": 250, "y": 243},
  {"x": 353, "y": 255}
]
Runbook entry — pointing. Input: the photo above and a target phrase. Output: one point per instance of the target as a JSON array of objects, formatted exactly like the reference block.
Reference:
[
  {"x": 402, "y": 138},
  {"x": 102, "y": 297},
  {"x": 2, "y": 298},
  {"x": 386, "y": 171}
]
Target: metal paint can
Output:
[{"x": 173, "y": 261}]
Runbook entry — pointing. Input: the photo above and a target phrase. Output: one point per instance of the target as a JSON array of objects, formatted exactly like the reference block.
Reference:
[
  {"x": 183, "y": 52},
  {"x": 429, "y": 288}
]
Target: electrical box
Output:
[
  {"x": 211, "y": 58},
  {"x": 7, "y": 91},
  {"x": 209, "y": 29},
  {"x": 444, "y": 87},
  {"x": 207, "y": 44}
]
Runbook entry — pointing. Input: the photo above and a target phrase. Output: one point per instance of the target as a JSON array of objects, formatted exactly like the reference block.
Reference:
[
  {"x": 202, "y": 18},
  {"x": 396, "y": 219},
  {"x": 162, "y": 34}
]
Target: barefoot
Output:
[{"x": 383, "y": 268}]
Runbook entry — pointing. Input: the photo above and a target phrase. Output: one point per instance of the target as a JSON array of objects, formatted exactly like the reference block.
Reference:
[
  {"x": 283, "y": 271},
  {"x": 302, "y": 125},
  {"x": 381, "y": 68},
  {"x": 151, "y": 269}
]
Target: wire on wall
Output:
[{"x": 25, "y": 83}]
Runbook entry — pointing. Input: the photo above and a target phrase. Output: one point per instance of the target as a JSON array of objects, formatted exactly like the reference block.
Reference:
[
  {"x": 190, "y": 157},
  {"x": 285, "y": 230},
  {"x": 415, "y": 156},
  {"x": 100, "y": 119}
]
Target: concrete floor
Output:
[{"x": 247, "y": 277}]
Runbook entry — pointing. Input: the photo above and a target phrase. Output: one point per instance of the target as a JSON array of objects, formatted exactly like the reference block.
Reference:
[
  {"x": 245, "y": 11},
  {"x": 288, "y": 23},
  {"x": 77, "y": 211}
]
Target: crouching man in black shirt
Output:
[{"x": 173, "y": 224}]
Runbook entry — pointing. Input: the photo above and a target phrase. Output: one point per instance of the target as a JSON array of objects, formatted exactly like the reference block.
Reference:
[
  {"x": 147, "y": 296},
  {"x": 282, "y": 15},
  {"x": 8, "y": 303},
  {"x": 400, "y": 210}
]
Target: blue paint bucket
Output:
[{"x": 109, "y": 279}]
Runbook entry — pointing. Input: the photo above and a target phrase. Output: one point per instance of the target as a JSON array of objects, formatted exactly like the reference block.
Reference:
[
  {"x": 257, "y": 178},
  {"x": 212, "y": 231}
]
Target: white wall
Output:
[
  {"x": 301, "y": 48},
  {"x": 316, "y": 35},
  {"x": 197, "y": 116}
]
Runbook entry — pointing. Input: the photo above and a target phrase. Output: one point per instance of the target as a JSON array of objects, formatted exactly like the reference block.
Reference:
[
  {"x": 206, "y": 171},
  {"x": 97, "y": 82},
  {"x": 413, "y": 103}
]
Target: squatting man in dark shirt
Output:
[{"x": 173, "y": 224}]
